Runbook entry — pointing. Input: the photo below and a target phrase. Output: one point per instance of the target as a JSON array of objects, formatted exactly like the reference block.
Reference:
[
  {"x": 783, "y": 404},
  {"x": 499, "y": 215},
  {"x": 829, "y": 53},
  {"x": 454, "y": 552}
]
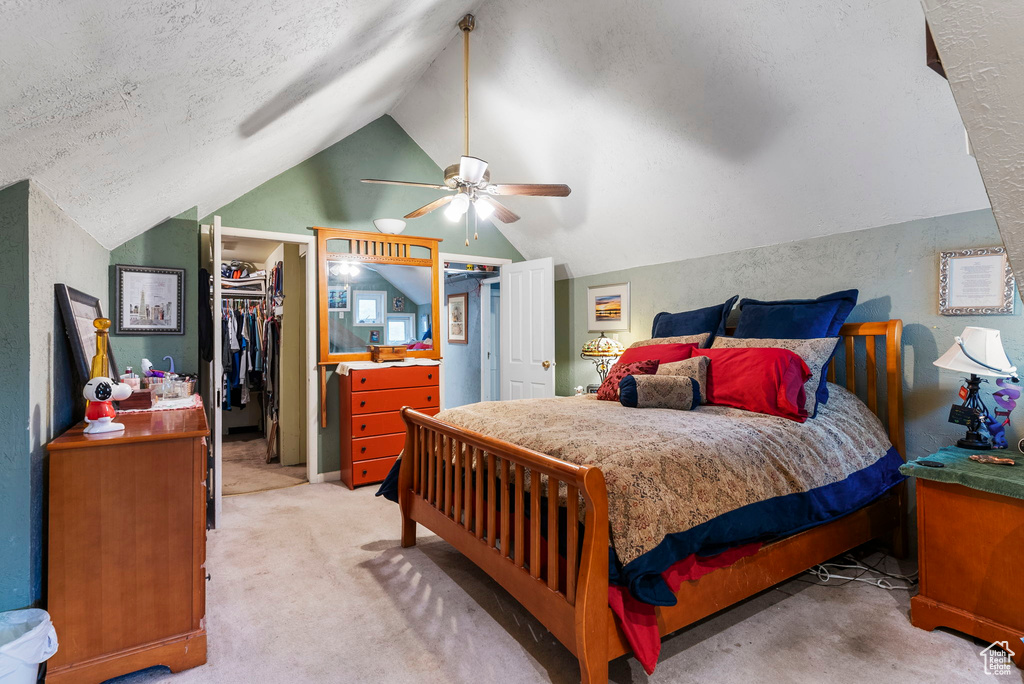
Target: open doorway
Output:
[
  {"x": 259, "y": 393},
  {"x": 470, "y": 290}
]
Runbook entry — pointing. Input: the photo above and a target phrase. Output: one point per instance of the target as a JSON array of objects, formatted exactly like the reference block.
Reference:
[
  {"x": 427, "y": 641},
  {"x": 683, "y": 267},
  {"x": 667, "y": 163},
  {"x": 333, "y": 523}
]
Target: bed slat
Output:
[
  {"x": 446, "y": 456},
  {"x": 572, "y": 528},
  {"x": 851, "y": 369},
  {"x": 520, "y": 511},
  {"x": 431, "y": 465},
  {"x": 504, "y": 509},
  {"x": 552, "y": 533},
  {"x": 457, "y": 480},
  {"x": 535, "y": 497},
  {"x": 872, "y": 370},
  {"x": 492, "y": 501}
]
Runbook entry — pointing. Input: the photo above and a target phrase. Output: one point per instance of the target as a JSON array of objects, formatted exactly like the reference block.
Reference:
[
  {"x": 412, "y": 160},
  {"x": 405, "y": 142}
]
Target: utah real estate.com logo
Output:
[{"x": 997, "y": 658}]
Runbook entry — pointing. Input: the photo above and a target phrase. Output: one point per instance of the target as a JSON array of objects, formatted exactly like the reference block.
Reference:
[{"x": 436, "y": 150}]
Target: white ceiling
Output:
[
  {"x": 694, "y": 128},
  {"x": 131, "y": 112},
  {"x": 685, "y": 128}
]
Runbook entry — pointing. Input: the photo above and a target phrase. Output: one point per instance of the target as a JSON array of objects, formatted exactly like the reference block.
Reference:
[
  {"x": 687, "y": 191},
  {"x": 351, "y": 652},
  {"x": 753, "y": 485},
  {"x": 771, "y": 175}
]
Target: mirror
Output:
[
  {"x": 370, "y": 303},
  {"x": 376, "y": 289}
]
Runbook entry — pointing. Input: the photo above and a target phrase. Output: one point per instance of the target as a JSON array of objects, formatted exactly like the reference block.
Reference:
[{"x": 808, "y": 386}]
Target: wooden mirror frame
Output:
[{"x": 374, "y": 248}]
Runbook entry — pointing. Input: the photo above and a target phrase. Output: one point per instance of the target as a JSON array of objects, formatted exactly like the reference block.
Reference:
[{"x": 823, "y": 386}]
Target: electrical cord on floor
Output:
[{"x": 825, "y": 573}]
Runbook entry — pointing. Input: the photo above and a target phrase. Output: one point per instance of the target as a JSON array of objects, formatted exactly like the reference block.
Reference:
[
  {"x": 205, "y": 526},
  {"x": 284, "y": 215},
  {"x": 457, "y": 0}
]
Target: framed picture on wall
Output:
[
  {"x": 375, "y": 336},
  {"x": 337, "y": 298},
  {"x": 975, "y": 282},
  {"x": 608, "y": 308},
  {"x": 458, "y": 310},
  {"x": 398, "y": 304},
  {"x": 150, "y": 301}
]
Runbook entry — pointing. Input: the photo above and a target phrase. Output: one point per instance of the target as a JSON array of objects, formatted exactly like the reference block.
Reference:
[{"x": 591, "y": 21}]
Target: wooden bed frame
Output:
[{"x": 456, "y": 502}]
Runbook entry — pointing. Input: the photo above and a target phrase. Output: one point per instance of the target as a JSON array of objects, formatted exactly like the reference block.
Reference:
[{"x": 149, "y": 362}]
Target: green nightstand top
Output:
[{"x": 995, "y": 479}]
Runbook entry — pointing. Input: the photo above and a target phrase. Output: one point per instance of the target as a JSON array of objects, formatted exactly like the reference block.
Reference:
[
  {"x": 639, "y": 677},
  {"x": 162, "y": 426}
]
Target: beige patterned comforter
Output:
[{"x": 668, "y": 471}]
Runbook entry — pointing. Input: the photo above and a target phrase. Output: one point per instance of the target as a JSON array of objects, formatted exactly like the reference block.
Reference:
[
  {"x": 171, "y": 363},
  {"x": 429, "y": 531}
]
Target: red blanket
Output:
[{"x": 639, "y": 621}]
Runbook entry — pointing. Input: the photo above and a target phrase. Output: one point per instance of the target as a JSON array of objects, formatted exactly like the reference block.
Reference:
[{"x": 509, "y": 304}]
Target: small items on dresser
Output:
[
  {"x": 382, "y": 353},
  {"x": 101, "y": 392},
  {"x": 970, "y": 532}
]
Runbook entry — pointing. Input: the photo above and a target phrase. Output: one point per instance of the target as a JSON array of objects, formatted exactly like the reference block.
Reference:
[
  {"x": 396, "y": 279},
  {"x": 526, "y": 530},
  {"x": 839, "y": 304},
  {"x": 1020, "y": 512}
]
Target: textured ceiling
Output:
[
  {"x": 130, "y": 112},
  {"x": 694, "y": 128}
]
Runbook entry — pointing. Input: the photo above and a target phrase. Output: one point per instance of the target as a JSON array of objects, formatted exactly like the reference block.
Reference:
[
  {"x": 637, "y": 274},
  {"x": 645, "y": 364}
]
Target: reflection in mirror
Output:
[{"x": 373, "y": 303}]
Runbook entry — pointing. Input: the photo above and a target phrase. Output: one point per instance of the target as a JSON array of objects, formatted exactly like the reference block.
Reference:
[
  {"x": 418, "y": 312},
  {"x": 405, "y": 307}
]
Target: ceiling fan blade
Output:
[
  {"x": 471, "y": 169},
  {"x": 415, "y": 185},
  {"x": 503, "y": 213},
  {"x": 427, "y": 208},
  {"x": 535, "y": 190}
]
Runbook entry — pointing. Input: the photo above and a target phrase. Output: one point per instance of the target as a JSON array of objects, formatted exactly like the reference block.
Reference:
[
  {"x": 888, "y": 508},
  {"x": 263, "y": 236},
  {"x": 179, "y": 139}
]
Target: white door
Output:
[
  {"x": 528, "y": 329},
  {"x": 218, "y": 375}
]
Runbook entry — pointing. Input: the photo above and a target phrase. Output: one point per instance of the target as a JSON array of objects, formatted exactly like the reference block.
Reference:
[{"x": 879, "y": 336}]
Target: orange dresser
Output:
[{"x": 372, "y": 430}]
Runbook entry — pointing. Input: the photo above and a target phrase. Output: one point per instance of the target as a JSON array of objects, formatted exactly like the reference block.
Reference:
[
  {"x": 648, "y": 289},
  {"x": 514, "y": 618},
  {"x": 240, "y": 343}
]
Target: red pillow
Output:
[
  {"x": 609, "y": 389},
  {"x": 757, "y": 379},
  {"x": 663, "y": 353}
]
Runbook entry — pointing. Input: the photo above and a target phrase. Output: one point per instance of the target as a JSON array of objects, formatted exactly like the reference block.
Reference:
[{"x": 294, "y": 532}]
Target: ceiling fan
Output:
[{"x": 469, "y": 181}]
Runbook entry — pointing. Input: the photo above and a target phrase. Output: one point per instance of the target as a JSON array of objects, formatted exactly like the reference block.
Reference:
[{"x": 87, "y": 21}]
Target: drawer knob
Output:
[
  {"x": 363, "y": 426},
  {"x": 429, "y": 397},
  {"x": 363, "y": 450},
  {"x": 364, "y": 472},
  {"x": 362, "y": 380},
  {"x": 430, "y": 376},
  {"x": 362, "y": 403}
]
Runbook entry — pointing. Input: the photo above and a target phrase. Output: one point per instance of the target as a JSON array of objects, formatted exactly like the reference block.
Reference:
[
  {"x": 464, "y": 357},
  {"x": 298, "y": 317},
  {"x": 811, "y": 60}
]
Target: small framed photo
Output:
[
  {"x": 79, "y": 310},
  {"x": 975, "y": 282},
  {"x": 338, "y": 298},
  {"x": 608, "y": 308},
  {"x": 398, "y": 304},
  {"x": 150, "y": 300},
  {"x": 458, "y": 308},
  {"x": 375, "y": 336}
]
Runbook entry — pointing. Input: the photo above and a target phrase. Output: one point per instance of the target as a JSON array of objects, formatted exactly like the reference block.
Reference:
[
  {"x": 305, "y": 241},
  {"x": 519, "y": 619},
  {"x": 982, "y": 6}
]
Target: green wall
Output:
[
  {"x": 15, "y": 463},
  {"x": 894, "y": 267},
  {"x": 174, "y": 244},
  {"x": 41, "y": 400}
]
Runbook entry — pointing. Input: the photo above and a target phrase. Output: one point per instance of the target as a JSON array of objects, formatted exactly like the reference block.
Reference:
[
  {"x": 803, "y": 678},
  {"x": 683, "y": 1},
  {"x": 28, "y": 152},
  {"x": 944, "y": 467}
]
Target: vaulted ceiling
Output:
[
  {"x": 684, "y": 128},
  {"x": 693, "y": 128},
  {"x": 130, "y": 112}
]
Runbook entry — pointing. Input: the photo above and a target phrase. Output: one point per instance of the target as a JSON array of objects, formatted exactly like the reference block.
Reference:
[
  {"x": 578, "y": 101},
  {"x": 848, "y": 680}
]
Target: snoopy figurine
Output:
[{"x": 100, "y": 414}]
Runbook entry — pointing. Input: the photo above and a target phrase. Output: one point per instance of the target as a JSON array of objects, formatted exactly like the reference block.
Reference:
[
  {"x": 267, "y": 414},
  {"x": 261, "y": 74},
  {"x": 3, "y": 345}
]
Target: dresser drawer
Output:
[
  {"x": 394, "y": 378},
  {"x": 393, "y": 399},
  {"x": 366, "y": 472},
  {"x": 381, "y": 446},
  {"x": 370, "y": 424}
]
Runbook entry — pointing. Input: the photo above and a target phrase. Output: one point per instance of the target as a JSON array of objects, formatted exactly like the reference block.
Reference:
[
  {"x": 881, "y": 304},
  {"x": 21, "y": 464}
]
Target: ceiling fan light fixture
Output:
[
  {"x": 457, "y": 207},
  {"x": 484, "y": 208},
  {"x": 471, "y": 169},
  {"x": 390, "y": 226}
]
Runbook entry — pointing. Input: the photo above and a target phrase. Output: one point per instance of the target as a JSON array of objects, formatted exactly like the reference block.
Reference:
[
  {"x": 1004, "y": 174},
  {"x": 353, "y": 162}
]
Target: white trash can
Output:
[{"x": 27, "y": 638}]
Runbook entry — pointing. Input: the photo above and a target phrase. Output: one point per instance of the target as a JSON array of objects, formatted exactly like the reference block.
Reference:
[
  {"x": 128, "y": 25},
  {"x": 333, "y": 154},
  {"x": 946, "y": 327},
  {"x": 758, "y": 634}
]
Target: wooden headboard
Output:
[{"x": 861, "y": 361}]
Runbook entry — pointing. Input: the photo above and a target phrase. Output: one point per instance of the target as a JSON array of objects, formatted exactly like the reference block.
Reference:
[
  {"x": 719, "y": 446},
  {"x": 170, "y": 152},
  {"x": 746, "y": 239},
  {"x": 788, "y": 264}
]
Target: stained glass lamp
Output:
[{"x": 603, "y": 351}]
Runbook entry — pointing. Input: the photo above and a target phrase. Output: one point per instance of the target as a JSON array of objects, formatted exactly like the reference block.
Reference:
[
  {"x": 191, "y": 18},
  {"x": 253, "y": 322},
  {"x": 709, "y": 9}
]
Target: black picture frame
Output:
[
  {"x": 124, "y": 272},
  {"x": 79, "y": 310}
]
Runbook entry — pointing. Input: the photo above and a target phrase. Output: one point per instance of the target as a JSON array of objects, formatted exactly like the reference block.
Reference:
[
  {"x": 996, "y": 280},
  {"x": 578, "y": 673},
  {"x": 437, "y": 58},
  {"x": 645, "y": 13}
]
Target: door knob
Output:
[{"x": 546, "y": 364}]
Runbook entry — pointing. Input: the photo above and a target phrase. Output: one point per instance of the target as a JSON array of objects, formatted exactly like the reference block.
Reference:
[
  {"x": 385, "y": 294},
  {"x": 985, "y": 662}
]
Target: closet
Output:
[{"x": 259, "y": 395}]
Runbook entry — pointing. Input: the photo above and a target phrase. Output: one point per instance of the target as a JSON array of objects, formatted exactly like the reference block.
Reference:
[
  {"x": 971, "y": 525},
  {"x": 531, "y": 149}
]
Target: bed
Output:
[{"x": 479, "y": 500}]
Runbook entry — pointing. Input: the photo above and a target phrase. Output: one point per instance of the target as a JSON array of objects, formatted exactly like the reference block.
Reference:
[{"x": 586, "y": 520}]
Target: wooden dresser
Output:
[
  {"x": 127, "y": 546},
  {"x": 372, "y": 430}
]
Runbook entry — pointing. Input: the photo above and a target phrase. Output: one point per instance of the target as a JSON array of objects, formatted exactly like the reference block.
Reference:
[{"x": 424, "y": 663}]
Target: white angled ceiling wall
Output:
[{"x": 694, "y": 128}]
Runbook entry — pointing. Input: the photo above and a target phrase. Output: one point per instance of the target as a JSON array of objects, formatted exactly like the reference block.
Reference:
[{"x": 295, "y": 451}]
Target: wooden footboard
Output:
[
  {"x": 477, "y": 493},
  {"x": 484, "y": 496}
]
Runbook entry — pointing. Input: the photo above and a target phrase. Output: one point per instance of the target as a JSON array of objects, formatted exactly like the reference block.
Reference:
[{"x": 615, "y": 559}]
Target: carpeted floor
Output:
[
  {"x": 309, "y": 584},
  {"x": 246, "y": 469}
]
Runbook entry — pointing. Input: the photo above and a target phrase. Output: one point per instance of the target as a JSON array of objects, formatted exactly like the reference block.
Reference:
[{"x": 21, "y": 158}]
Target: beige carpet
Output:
[
  {"x": 246, "y": 469},
  {"x": 309, "y": 584}
]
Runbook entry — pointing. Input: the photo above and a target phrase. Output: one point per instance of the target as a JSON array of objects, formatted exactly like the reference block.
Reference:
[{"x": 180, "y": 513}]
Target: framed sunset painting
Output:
[{"x": 608, "y": 308}]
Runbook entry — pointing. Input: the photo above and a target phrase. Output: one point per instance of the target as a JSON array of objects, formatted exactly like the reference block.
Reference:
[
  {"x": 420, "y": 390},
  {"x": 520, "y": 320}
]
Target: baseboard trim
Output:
[{"x": 333, "y": 476}]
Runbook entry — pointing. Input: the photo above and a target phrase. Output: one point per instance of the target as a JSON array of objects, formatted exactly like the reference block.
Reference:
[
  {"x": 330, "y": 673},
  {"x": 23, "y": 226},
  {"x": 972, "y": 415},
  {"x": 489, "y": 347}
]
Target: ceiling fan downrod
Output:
[{"x": 466, "y": 25}]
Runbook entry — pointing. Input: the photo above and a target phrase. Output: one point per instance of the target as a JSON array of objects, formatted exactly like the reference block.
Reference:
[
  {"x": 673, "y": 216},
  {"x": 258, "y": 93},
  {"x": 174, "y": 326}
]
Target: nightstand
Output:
[{"x": 970, "y": 538}]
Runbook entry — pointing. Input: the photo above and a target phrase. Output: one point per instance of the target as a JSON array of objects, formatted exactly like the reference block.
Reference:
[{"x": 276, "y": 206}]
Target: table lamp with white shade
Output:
[{"x": 977, "y": 351}]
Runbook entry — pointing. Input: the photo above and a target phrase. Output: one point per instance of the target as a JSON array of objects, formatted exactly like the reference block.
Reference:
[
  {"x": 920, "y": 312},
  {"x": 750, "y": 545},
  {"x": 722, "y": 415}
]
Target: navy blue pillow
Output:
[
  {"x": 627, "y": 392},
  {"x": 710, "y": 319},
  {"x": 797, "y": 319}
]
